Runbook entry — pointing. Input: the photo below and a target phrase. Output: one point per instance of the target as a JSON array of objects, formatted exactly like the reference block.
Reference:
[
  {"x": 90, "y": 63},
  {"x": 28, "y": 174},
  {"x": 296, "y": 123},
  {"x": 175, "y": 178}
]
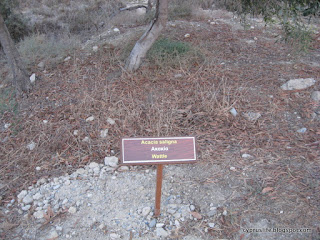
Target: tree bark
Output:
[
  {"x": 20, "y": 77},
  {"x": 142, "y": 46}
]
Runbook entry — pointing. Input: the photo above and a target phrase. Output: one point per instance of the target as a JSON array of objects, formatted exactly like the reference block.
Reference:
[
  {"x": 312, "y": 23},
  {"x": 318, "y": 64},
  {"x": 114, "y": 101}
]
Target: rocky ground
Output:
[{"x": 253, "y": 105}]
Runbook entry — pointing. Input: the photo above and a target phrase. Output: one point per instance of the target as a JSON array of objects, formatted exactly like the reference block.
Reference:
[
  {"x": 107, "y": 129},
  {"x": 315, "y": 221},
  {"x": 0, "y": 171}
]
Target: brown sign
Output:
[{"x": 170, "y": 150}]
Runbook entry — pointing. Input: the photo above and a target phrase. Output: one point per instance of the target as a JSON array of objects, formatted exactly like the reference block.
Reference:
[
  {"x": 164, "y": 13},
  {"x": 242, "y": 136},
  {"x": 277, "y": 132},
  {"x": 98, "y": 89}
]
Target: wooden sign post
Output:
[{"x": 158, "y": 151}]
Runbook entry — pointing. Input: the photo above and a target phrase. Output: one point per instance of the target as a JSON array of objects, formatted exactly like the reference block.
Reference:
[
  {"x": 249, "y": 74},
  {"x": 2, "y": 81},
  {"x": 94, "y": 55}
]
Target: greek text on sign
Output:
[{"x": 158, "y": 150}]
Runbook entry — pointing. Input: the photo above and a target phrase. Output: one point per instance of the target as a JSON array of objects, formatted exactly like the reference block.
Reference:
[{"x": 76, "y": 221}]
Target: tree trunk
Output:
[
  {"x": 142, "y": 46},
  {"x": 20, "y": 77}
]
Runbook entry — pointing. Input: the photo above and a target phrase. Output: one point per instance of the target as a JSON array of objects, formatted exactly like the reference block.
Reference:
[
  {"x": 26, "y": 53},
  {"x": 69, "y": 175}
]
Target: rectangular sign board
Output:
[{"x": 164, "y": 150}]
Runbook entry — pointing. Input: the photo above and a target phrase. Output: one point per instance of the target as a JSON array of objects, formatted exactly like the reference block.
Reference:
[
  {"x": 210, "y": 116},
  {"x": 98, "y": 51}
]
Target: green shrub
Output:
[
  {"x": 166, "y": 52},
  {"x": 8, "y": 101}
]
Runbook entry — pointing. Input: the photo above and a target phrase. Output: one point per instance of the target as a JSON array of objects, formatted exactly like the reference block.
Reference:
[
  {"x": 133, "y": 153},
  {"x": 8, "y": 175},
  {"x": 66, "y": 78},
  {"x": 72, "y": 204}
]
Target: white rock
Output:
[
  {"x": 67, "y": 59},
  {"x": 160, "y": 225},
  {"x": 27, "y": 199},
  {"x": 160, "y": 232},
  {"x": 59, "y": 228},
  {"x": 104, "y": 133},
  {"x": 38, "y": 168},
  {"x": 90, "y": 119},
  {"x": 31, "y": 146},
  {"x": 316, "y": 96},
  {"x": 26, "y": 207},
  {"x": 72, "y": 210},
  {"x": 116, "y": 30},
  {"x": 234, "y": 112},
  {"x": 211, "y": 225},
  {"x": 111, "y": 161},
  {"x": 45, "y": 121},
  {"x": 111, "y": 121},
  {"x": 178, "y": 75},
  {"x": 302, "y": 130},
  {"x": 187, "y": 35},
  {"x": 114, "y": 236},
  {"x": 39, "y": 214},
  {"x": 95, "y": 48},
  {"x": 76, "y": 132},
  {"x": 41, "y": 65},
  {"x": 33, "y": 78},
  {"x": 177, "y": 223},
  {"x": 53, "y": 235},
  {"x": 298, "y": 84},
  {"x": 145, "y": 211},
  {"x": 7, "y": 125},
  {"x": 225, "y": 213},
  {"x": 37, "y": 196},
  {"x": 123, "y": 169},
  {"x": 192, "y": 207},
  {"x": 245, "y": 155},
  {"x": 86, "y": 139},
  {"x": 93, "y": 165},
  {"x": 22, "y": 194},
  {"x": 81, "y": 171},
  {"x": 232, "y": 168}
]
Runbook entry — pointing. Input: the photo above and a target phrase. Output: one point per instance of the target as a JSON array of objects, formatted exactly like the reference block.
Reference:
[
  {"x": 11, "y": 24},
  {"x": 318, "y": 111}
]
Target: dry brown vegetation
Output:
[{"x": 284, "y": 173}]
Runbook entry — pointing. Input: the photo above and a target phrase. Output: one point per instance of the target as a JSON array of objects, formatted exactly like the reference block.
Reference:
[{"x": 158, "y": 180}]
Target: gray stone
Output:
[
  {"x": 22, "y": 194},
  {"x": 160, "y": 232},
  {"x": 41, "y": 65},
  {"x": 211, "y": 225},
  {"x": 302, "y": 130},
  {"x": 211, "y": 213},
  {"x": 31, "y": 146},
  {"x": 37, "y": 196},
  {"x": 39, "y": 214},
  {"x": 153, "y": 223},
  {"x": 33, "y": 78},
  {"x": 90, "y": 119},
  {"x": 115, "y": 236},
  {"x": 93, "y": 165},
  {"x": 234, "y": 112},
  {"x": 298, "y": 84},
  {"x": 111, "y": 161},
  {"x": 27, "y": 199},
  {"x": 160, "y": 225},
  {"x": 72, "y": 210},
  {"x": 53, "y": 235},
  {"x": 145, "y": 211},
  {"x": 26, "y": 208},
  {"x": 104, "y": 133},
  {"x": 316, "y": 96},
  {"x": 111, "y": 121},
  {"x": 123, "y": 169}
]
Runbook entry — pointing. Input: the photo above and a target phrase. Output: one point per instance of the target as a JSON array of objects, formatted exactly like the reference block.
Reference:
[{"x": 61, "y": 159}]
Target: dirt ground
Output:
[{"x": 276, "y": 185}]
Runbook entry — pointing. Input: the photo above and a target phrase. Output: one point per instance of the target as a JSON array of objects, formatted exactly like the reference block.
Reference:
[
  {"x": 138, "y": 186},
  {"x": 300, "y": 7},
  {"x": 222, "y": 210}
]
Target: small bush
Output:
[
  {"x": 50, "y": 49},
  {"x": 166, "y": 52}
]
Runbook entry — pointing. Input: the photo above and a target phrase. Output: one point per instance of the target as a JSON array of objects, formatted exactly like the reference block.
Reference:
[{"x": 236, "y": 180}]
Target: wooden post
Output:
[{"x": 158, "y": 190}]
